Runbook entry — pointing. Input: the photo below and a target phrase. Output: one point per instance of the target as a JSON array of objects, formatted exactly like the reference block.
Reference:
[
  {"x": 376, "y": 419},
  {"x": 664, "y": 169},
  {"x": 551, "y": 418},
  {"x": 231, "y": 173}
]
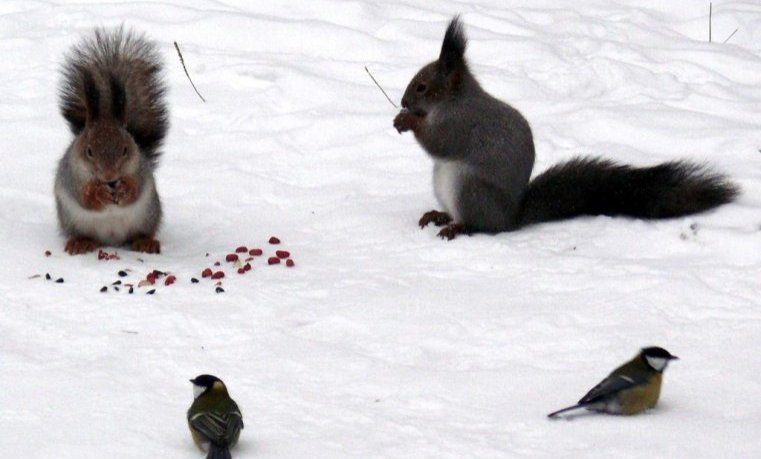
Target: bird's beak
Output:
[
  {"x": 673, "y": 357},
  {"x": 192, "y": 380}
]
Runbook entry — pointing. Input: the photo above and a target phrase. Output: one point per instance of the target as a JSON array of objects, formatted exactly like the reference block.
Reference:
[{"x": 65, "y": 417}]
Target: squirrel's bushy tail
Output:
[
  {"x": 589, "y": 186},
  {"x": 218, "y": 452},
  {"x": 121, "y": 71}
]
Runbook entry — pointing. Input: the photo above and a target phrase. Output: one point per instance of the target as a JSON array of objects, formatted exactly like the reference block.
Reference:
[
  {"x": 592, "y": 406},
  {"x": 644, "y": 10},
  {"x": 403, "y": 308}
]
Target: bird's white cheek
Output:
[
  {"x": 657, "y": 363},
  {"x": 198, "y": 390}
]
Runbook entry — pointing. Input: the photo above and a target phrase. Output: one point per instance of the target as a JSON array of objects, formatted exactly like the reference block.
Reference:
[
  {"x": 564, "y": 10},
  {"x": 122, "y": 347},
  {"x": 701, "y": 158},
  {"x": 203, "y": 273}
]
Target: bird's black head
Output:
[
  {"x": 205, "y": 380},
  {"x": 657, "y": 357},
  {"x": 203, "y": 383}
]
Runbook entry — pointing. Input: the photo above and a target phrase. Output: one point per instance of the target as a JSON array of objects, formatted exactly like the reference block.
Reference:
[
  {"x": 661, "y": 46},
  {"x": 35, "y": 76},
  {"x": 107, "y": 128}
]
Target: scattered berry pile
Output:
[
  {"x": 152, "y": 278},
  {"x": 103, "y": 255},
  {"x": 242, "y": 260}
]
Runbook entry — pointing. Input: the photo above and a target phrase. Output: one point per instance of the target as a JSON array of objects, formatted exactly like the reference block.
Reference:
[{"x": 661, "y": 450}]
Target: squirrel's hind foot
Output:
[
  {"x": 451, "y": 231},
  {"x": 80, "y": 245},
  {"x": 146, "y": 245},
  {"x": 435, "y": 217}
]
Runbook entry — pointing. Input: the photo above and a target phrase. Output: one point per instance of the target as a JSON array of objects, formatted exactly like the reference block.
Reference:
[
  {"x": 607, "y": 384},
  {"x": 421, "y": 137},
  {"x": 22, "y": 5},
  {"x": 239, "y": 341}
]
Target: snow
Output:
[{"x": 384, "y": 341}]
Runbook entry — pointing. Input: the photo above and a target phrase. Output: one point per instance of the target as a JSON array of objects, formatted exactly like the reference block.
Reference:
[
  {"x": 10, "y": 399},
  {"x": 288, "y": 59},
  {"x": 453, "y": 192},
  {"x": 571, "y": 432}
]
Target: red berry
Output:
[
  {"x": 170, "y": 280},
  {"x": 218, "y": 275},
  {"x": 207, "y": 272},
  {"x": 282, "y": 254},
  {"x": 231, "y": 257},
  {"x": 273, "y": 260},
  {"x": 247, "y": 267},
  {"x": 255, "y": 252},
  {"x": 151, "y": 277},
  {"x": 241, "y": 271},
  {"x": 274, "y": 240},
  {"x": 289, "y": 263},
  {"x": 241, "y": 249}
]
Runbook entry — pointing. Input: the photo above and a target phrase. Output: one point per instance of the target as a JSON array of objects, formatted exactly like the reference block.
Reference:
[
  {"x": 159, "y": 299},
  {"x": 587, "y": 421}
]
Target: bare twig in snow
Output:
[
  {"x": 730, "y": 36},
  {"x": 710, "y": 17},
  {"x": 379, "y": 87},
  {"x": 182, "y": 61}
]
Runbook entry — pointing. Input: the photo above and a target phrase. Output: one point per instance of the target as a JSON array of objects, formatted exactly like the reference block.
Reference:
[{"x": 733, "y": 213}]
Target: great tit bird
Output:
[
  {"x": 631, "y": 388},
  {"x": 214, "y": 418}
]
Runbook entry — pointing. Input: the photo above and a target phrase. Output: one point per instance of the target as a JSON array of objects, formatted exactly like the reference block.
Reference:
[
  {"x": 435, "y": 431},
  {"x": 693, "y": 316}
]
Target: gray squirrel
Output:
[
  {"x": 483, "y": 154},
  {"x": 112, "y": 96}
]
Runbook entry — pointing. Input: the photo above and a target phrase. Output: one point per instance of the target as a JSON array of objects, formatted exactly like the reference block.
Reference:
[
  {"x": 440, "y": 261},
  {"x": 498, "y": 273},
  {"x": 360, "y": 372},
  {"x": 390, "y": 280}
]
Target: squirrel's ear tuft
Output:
[
  {"x": 453, "y": 49},
  {"x": 92, "y": 97},
  {"x": 118, "y": 100}
]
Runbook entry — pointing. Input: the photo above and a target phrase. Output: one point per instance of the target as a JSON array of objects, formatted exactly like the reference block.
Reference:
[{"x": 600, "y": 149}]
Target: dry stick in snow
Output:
[
  {"x": 182, "y": 61},
  {"x": 379, "y": 87},
  {"x": 710, "y": 17},
  {"x": 730, "y": 36}
]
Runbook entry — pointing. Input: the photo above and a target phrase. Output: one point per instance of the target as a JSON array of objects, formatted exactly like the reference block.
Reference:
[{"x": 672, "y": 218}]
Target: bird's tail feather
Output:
[
  {"x": 569, "y": 408},
  {"x": 218, "y": 452}
]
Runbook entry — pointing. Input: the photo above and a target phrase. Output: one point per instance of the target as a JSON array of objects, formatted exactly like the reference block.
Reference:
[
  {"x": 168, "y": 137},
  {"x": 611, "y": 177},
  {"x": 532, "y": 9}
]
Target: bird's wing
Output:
[
  {"x": 609, "y": 386},
  {"x": 218, "y": 426}
]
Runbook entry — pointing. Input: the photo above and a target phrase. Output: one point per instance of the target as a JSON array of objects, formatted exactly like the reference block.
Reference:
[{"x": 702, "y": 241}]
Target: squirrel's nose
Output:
[
  {"x": 112, "y": 183},
  {"x": 405, "y": 103}
]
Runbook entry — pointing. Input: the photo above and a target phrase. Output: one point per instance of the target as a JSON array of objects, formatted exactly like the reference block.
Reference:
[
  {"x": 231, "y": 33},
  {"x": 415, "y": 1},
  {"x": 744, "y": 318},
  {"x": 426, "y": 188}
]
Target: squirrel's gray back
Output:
[{"x": 489, "y": 136}]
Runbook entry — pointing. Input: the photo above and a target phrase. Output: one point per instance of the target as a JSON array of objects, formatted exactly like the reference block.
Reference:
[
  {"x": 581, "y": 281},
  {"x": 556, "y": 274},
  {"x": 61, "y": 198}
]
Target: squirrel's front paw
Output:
[
  {"x": 126, "y": 191},
  {"x": 146, "y": 244},
  {"x": 96, "y": 196},
  {"x": 80, "y": 245},
  {"x": 406, "y": 121}
]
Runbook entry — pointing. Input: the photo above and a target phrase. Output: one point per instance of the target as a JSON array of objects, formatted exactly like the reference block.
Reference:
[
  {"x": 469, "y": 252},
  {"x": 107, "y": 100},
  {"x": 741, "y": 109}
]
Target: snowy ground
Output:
[{"x": 384, "y": 341}]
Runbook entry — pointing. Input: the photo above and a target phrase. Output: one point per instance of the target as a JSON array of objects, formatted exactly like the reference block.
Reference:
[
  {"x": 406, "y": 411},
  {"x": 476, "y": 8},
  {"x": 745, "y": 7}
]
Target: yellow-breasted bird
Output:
[
  {"x": 214, "y": 418},
  {"x": 631, "y": 388}
]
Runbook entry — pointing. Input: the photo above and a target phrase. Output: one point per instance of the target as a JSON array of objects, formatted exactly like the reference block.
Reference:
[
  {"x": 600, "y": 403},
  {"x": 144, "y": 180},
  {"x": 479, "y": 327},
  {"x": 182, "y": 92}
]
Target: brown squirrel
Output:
[
  {"x": 112, "y": 96},
  {"x": 483, "y": 154}
]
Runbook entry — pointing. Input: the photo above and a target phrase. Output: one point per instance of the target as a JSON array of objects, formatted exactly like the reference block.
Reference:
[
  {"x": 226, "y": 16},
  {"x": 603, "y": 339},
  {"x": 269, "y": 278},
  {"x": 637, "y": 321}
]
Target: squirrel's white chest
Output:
[
  {"x": 113, "y": 225},
  {"x": 447, "y": 182}
]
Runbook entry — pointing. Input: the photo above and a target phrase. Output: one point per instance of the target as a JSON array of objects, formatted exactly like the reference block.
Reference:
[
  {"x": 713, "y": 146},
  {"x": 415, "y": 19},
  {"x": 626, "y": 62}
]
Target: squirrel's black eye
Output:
[
  {"x": 124, "y": 153},
  {"x": 421, "y": 87},
  {"x": 89, "y": 152}
]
